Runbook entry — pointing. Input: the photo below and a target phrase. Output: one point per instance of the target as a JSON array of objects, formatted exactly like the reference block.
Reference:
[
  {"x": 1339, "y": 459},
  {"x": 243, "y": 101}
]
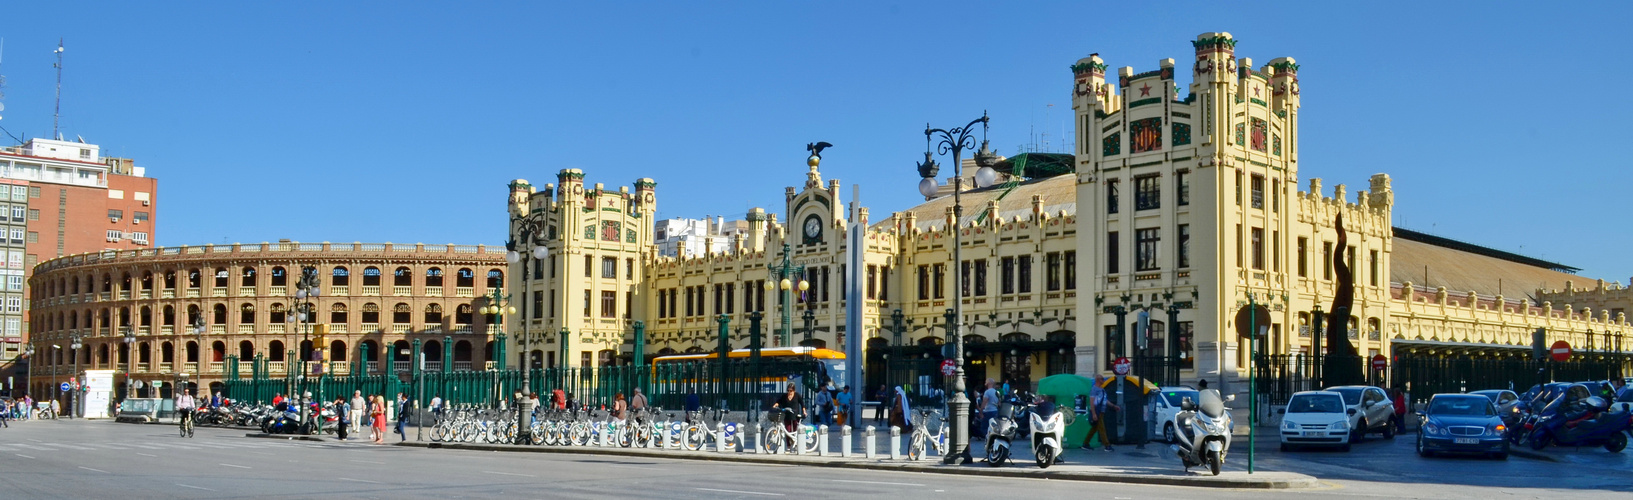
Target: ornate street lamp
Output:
[
  {"x": 785, "y": 274},
  {"x": 130, "y": 361},
  {"x": 78, "y": 343},
  {"x": 532, "y": 229}
]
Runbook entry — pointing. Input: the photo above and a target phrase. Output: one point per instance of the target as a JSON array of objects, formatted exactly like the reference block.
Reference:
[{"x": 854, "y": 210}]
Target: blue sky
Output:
[{"x": 387, "y": 121}]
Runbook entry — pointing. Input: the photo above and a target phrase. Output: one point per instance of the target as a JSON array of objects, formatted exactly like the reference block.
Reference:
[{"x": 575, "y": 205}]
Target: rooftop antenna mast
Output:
[{"x": 56, "y": 115}]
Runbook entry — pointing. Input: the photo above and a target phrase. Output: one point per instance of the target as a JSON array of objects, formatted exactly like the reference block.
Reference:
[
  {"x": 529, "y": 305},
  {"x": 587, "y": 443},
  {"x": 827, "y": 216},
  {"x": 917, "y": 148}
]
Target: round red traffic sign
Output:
[
  {"x": 948, "y": 367},
  {"x": 1561, "y": 351},
  {"x": 1121, "y": 366},
  {"x": 1379, "y": 362}
]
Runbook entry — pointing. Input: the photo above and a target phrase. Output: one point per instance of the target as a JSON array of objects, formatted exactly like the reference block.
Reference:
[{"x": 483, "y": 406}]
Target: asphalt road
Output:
[{"x": 78, "y": 459}]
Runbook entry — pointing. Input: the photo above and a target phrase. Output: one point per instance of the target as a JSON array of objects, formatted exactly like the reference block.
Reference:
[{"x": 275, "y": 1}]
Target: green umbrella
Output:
[{"x": 1066, "y": 388}]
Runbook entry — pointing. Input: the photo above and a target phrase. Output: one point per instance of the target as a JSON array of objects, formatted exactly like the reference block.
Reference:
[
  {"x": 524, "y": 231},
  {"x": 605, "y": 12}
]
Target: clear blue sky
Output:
[{"x": 380, "y": 121}]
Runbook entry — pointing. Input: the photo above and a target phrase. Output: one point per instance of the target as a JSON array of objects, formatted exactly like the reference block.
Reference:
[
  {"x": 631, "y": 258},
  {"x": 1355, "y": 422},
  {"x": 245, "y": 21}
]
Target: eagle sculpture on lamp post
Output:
[{"x": 816, "y": 148}]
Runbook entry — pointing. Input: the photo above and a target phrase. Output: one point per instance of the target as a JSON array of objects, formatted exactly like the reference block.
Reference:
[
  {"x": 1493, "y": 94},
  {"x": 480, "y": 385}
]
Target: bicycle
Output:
[
  {"x": 778, "y": 439},
  {"x": 187, "y": 423},
  {"x": 922, "y": 438},
  {"x": 696, "y": 434}
]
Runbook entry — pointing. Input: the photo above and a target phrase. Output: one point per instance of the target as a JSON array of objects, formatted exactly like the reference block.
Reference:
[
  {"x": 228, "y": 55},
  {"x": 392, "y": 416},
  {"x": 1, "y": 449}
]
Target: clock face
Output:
[{"x": 813, "y": 227}]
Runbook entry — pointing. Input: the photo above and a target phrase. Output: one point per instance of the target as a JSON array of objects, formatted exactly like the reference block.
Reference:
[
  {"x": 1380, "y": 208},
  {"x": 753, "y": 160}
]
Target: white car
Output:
[
  {"x": 1166, "y": 405},
  {"x": 1315, "y": 418},
  {"x": 1369, "y": 409}
]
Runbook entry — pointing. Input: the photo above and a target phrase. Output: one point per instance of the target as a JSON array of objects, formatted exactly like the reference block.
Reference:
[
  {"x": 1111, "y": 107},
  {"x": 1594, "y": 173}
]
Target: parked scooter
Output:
[
  {"x": 1001, "y": 430},
  {"x": 1587, "y": 423},
  {"x": 1048, "y": 432},
  {"x": 1204, "y": 431}
]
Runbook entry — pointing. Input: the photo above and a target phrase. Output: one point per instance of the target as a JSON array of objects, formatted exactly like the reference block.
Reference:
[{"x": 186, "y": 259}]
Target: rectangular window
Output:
[
  {"x": 1372, "y": 267},
  {"x": 1349, "y": 260},
  {"x": 1111, "y": 253},
  {"x": 674, "y": 295},
  {"x": 586, "y": 303},
  {"x": 1258, "y": 248},
  {"x": 939, "y": 287},
  {"x": 115, "y": 235},
  {"x": 731, "y": 298},
  {"x": 1275, "y": 251},
  {"x": 33, "y": 192},
  {"x": 964, "y": 279},
  {"x": 609, "y": 304},
  {"x": 1051, "y": 271},
  {"x": 759, "y": 295},
  {"x": 1111, "y": 196},
  {"x": 1113, "y": 345},
  {"x": 629, "y": 303},
  {"x": 538, "y": 302},
  {"x": 538, "y": 265},
  {"x": 14, "y": 305},
  {"x": 663, "y": 305},
  {"x": 1326, "y": 260},
  {"x": 115, "y": 214},
  {"x": 1303, "y": 256},
  {"x": 14, "y": 283},
  {"x": 33, "y": 236},
  {"x": 1239, "y": 251},
  {"x": 589, "y": 264},
  {"x": 17, "y": 236},
  {"x": 139, "y": 217},
  {"x": 553, "y": 303},
  {"x": 1006, "y": 274},
  {"x": 924, "y": 282},
  {"x": 689, "y": 311},
  {"x": 884, "y": 283},
  {"x": 1023, "y": 271},
  {"x": 1147, "y": 192},
  {"x": 629, "y": 269},
  {"x": 1258, "y": 191},
  {"x": 719, "y": 300},
  {"x": 1182, "y": 182},
  {"x": 139, "y": 237},
  {"x": 1184, "y": 247},
  {"x": 1275, "y": 197},
  {"x": 1238, "y": 189},
  {"x": 33, "y": 214},
  {"x": 1187, "y": 348},
  {"x": 1145, "y": 249},
  {"x": 873, "y": 282},
  {"x": 1070, "y": 268},
  {"x": 609, "y": 267},
  {"x": 981, "y": 278}
]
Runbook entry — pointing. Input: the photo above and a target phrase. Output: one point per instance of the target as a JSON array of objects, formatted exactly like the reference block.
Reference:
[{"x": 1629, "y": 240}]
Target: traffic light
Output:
[{"x": 1539, "y": 344}]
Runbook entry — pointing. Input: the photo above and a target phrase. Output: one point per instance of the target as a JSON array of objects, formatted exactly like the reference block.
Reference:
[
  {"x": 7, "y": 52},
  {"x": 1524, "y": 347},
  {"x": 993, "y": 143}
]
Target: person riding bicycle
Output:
[
  {"x": 792, "y": 408},
  {"x": 184, "y": 408}
]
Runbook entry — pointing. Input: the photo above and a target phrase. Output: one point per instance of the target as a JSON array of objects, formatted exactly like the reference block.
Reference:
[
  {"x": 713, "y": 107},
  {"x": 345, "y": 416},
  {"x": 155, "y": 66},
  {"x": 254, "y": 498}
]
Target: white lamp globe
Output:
[
  {"x": 510, "y": 310},
  {"x": 786, "y": 284},
  {"x": 985, "y": 177},
  {"x": 541, "y": 252},
  {"x": 928, "y": 187},
  {"x": 804, "y": 285},
  {"x": 513, "y": 257}
]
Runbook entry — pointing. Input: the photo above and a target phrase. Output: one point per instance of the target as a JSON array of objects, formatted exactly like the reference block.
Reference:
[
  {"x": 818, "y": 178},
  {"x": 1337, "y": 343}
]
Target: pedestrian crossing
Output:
[{"x": 148, "y": 446}]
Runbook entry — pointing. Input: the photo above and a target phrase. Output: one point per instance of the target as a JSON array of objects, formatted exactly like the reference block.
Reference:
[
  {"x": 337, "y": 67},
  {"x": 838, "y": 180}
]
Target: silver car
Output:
[{"x": 1369, "y": 410}]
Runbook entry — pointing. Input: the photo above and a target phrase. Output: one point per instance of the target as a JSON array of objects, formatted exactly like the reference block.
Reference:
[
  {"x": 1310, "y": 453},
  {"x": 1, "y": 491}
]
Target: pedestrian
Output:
[
  {"x": 56, "y": 408},
  {"x": 1202, "y": 384},
  {"x": 843, "y": 402},
  {"x": 28, "y": 407},
  {"x": 1398, "y": 397},
  {"x": 618, "y": 407},
  {"x": 822, "y": 402},
  {"x": 899, "y": 408},
  {"x": 344, "y": 415},
  {"x": 402, "y": 415},
  {"x": 436, "y": 406},
  {"x": 1098, "y": 406},
  {"x": 989, "y": 407},
  {"x": 637, "y": 403},
  {"x": 358, "y": 406},
  {"x": 884, "y": 397},
  {"x": 278, "y": 399},
  {"x": 377, "y": 418}
]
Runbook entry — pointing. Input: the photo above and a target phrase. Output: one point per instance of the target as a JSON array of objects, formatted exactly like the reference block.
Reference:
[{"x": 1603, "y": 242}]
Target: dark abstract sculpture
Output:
[{"x": 1342, "y": 364}]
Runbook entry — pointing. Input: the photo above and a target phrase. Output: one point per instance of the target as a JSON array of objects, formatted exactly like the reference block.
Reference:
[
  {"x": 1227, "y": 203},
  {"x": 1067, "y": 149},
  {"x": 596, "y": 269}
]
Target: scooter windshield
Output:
[{"x": 1210, "y": 404}]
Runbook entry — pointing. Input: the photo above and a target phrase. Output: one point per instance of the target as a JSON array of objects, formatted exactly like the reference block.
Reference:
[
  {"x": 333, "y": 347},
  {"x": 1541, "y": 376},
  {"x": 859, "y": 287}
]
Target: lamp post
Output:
[
  {"x": 785, "y": 274},
  {"x": 78, "y": 343},
  {"x": 56, "y": 362},
  {"x": 28, "y": 352},
  {"x": 130, "y": 361},
  {"x": 307, "y": 288},
  {"x": 810, "y": 317},
  {"x": 956, "y": 141},
  {"x": 532, "y": 229},
  {"x": 198, "y": 339},
  {"x": 498, "y": 306}
]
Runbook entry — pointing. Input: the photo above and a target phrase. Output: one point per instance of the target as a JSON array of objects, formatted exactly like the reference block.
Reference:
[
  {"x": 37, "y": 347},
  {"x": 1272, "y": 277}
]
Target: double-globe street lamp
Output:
[
  {"x": 956, "y": 140},
  {"x": 531, "y": 228},
  {"x": 77, "y": 343},
  {"x": 786, "y": 272},
  {"x": 307, "y": 288},
  {"x": 130, "y": 362},
  {"x": 498, "y": 306}
]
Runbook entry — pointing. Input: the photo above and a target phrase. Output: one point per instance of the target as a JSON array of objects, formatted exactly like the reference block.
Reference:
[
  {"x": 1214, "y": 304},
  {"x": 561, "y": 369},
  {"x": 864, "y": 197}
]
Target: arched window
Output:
[
  {"x": 169, "y": 280},
  {"x": 221, "y": 277},
  {"x": 337, "y": 350},
  {"x": 496, "y": 279},
  {"x": 400, "y": 351},
  {"x": 147, "y": 281},
  {"x": 76, "y": 285},
  {"x": 340, "y": 276},
  {"x": 280, "y": 276},
  {"x": 105, "y": 321},
  {"x": 371, "y": 276},
  {"x": 192, "y": 352},
  {"x": 193, "y": 278},
  {"x": 404, "y": 277},
  {"x": 246, "y": 350},
  {"x": 246, "y": 314},
  {"x": 248, "y": 279},
  {"x": 275, "y": 350},
  {"x": 124, "y": 354},
  {"x": 102, "y": 355},
  {"x": 462, "y": 351},
  {"x": 144, "y": 353},
  {"x": 337, "y": 313},
  {"x": 147, "y": 316},
  {"x": 218, "y": 351},
  {"x": 433, "y": 277},
  {"x": 125, "y": 283},
  {"x": 277, "y": 313},
  {"x": 371, "y": 313},
  {"x": 169, "y": 315},
  {"x": 192, "y": 313},
  {"x": 220, "y": 314},
  {"x": 371, "y": 350},
  {"x": 124, "y": 316},
  {"x": 433, "y": 314},
  {"x": 465, "y": 278},
  {"x": 167, "y": 352},
  {"x": 462, "y": 315},
  {"x": 107, "y": 283},
  {"x": 73, "y": 319},
  {"x": 433, "y": 351},
  {"x": 305, "y": 349},
  {"x": 401, "y": 314}
]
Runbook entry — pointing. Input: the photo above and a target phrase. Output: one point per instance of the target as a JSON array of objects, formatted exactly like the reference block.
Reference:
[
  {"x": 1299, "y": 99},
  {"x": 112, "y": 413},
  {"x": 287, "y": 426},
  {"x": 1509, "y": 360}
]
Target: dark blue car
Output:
[{"x": 1461, "y": 423}]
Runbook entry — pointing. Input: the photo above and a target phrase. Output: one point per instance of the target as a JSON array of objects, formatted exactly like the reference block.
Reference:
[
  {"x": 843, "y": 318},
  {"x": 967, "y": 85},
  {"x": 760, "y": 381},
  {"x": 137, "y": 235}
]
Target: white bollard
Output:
[
  {"x": 724, "y": 442},
  {"x": 868, "y": 443},
  {"x": 799, "y": 439},
  {"x": 822, "y": 441},
  {"x": 757, "y": 436},
  {"x": 895, "y": 443},
  {"x": 845, "y": 441}
]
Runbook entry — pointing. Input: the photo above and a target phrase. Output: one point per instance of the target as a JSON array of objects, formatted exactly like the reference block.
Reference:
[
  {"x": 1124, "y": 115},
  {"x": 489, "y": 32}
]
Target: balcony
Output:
[
  {"x": 372, "y": 291},
  {"x": 246, "y": 367},
  {"x": 400, "y": 329},
  {"x": 104, "y": 296},
  {"x": 402, "y": 291},
  {"x": 124, "y": 295},
  {"x": 339, "y": 328},
  {"x": 433, "y": 291},
  {"x": 400, "y": 366},
  {"x": 168, "y": 293},
  {"x": 462, "y": 365},
  {"x": 218, "y": 292},
  {"x": 147, "y": 294},
  {"x": 278, "y": 291},
  {"x": 1373, "y": 335},
  {"x": 369, "y": 327},
  {"x": 432, "y": 330},
  {"x": 246, "y": 291},
  {"x": 433, "y": 366},
  {"x": 192, "y": 293},
  {"x": 276, "y": 328},
  {"x": 340, "y": 290},
  {"x": 373, "y": 367},
  {"x": 246, "y": 329},
  {"x": 275, "y": 366},
  {"x": 464, "y": 291},
  {"x": 465, "y": 329}
]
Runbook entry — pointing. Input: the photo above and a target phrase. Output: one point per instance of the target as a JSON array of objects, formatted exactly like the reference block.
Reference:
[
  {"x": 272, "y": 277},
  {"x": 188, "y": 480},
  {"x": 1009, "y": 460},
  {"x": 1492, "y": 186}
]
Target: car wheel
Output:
[
  {"x": 1168, "y": 433},
  {"x": 1286, "y": 448},
  {"x": 1360, "y": 432},
  {"x": 1422, "y": 452},
  {"x": 1344, "y": 448},
  {"x": 1389, "y": 430}
]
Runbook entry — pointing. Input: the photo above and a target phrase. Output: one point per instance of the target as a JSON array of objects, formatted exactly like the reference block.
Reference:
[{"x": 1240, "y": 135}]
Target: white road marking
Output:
[
  {"x": 71, "y": 446},
  {"x": 94, "y": 470},
  {"x": 193, "y": 487},
  {"x": 147, "y": 455},
  {"x": 35, "y": 440},
  {"x": 24, "y": 456},
  {"x": 507, "y": 473},
  {"x": 635, "y": 467},
  {"x": 875, "y": 482},
  {"x": 367, "y": 462},
  {"x": 110, "y": 445},
  {"x": 359, "y": 480},
  {"x": 743, "y": 492},
  {"x": 238, "y": 466}
]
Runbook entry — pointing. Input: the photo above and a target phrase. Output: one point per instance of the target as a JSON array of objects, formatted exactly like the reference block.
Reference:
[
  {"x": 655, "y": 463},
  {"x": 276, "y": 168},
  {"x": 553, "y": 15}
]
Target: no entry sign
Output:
[
  {"x": 1379, "y": 362},
  {"x": 1121, "y": 366},
  {"x": 948, "y": 367},
  {"x": 1560, "y": 351}
]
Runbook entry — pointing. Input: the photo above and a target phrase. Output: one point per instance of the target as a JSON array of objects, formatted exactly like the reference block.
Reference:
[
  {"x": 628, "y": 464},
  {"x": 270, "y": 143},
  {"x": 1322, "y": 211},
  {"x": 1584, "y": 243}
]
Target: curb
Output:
[
  {"x": 292, "y": 437},
  {"x": 1300, "y": 481}
]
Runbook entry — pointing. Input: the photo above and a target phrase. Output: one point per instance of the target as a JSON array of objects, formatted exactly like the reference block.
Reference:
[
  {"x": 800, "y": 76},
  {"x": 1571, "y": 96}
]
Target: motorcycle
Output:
[
  {"x": 1204, "y": 431},
  {"x": 284, "y": 421},
  {"x": 1587, "y": 423},
  {"x": 1048, "y": 432},
  {"x": 1001, "y": 431}
]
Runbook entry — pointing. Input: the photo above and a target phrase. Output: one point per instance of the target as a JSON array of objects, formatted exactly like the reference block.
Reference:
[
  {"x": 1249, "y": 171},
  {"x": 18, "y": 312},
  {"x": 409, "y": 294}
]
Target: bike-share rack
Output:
[
  {"x": 895, "y": 443},
  {"x": 845, "y": 441},
  {"x": 757, "y": 438},
  {"x": 726, "y": 437},
  {"x": 869, "y": 450},
  {"x": 822, "y": 440}
]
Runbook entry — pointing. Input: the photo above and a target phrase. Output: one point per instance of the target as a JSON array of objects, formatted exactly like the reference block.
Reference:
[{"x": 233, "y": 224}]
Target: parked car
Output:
[
  {"x": 1507, "y": 403},
  {"x": 1369, "y": 410},
  {"x": 1166, "y": 406},
  {"x": 1624, "y": 402},
  {"x": 1461, "y": 423},
  {"x": 1315, "y": 418}
]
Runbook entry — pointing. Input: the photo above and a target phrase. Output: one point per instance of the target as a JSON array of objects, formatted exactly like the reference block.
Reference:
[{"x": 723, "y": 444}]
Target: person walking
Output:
[
  {"x": 28, "y": 407},
  {"x": 184, "y": 408},
  {"x": 899, "y": 408},
  {"x": 1398, "y": 397},
  {"x": 344, "y": 415},
  {"x": 843, "y": 403},
  {"x": 402, "y": 415},
  {"x": 377, "y": 419},
  {"x": 823, "y": 402},
  {"x": 56, "y": 408},
  {"x": 1098, "y": 405},
  {"x": 619, "y": 407},
  {"x": 989, "y": 407},
  {"x": 883, "y": 396},
  {"x": 637, "y": 403},
  {"x": 359, "y": 406}
]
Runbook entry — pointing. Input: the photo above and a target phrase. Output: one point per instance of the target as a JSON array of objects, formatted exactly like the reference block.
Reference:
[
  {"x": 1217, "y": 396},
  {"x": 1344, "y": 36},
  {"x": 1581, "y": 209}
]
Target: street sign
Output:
[
  {"x": 948, "y": 367},
  {"x": 1379, "y": 362},
  {"x": 66, "y": 387},
  {"x": 1561, "y": 351},
  {"x": 1121, "y": 366},
  {"x": 1247, "y": 319}
]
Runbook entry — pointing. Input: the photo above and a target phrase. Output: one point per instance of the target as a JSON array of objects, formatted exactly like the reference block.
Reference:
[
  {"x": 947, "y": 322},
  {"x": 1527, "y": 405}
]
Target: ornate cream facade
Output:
[{"x": 373, "y": 294}]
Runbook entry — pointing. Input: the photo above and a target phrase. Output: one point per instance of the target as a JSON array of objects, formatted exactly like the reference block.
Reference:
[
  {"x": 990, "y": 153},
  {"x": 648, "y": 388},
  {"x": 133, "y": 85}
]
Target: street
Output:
[{"x": 80, "y": 459}]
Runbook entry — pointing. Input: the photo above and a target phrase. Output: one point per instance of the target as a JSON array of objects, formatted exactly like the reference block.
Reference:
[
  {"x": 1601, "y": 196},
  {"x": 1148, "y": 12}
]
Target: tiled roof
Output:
[
  {"x": 1058, "y": 193},
  {"x": 1461, "y": 271}
]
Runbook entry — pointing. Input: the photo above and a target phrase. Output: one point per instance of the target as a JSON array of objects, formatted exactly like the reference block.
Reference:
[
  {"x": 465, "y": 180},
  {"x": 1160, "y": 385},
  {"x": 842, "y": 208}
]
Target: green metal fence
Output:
[{"x": 1441, "y": 375}]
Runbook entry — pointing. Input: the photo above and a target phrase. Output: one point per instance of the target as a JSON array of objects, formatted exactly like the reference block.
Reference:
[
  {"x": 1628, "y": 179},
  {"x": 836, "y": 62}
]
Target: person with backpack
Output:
[
  {"x": 343, "y": 417},
  {"x": 824, "y": 407}
]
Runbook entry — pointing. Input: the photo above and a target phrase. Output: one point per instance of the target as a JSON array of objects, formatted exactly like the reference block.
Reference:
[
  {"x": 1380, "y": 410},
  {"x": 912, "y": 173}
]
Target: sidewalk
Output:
[{"x": 1126, "y": 465}]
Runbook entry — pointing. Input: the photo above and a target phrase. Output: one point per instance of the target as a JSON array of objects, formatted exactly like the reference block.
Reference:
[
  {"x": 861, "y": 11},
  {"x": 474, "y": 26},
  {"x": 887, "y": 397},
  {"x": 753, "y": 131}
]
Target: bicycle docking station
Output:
[
  {"x": 757, "y": 438},
  {"x": 725, "y": 439},
  {"x": 845, "y": 441},
  {"x": 869, "y": 442},
  {"x": 895, "y": 443},
  {"x": 822, "y": 440}
]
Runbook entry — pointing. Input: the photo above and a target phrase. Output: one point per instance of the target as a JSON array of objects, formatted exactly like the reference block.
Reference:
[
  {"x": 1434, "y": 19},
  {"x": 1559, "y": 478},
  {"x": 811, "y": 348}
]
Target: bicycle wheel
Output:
[
  {"x": 773, "y": 440},
  {"x": 624, "y": 437},
  {"x": 693, "y": 438},
  {"x": 915, "y": 451},
  {"x": 581, "y": 434}
]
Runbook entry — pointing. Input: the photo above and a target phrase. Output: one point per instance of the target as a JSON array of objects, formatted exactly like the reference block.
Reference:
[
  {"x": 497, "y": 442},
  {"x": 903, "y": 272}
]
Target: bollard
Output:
[
  {"x": 799, "y": 439},
  {"x": 757, "y": 436},
  {"x": 845, "y": 441},
  {"x": 726, "y": 437},
  {"x": 822, "y": 440},
  {"x": 895, "y": 443},
  {"x": 868, "y": 443}
]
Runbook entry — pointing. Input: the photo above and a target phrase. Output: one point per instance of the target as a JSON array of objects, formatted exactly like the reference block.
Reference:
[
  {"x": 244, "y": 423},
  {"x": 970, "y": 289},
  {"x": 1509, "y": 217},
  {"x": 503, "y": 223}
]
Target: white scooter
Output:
[
  {"x": 1204, "y": 431},
  {"x": 1000, "y": 431},
  {"x": 1048, "y": 431}
]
